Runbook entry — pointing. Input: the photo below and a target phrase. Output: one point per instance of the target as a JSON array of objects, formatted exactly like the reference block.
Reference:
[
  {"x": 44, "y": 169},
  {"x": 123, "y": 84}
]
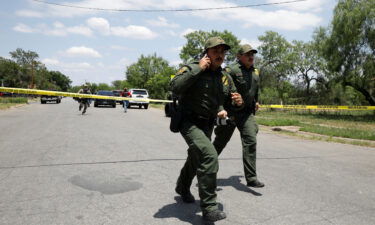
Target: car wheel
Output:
[
  {"x": 140, "y": 106},
  {"x": 95, "y": 105},
  {"x": 114, "y": 106},
  {"x": 42, "y": 102},
  {"x": 146, "y": 106}
]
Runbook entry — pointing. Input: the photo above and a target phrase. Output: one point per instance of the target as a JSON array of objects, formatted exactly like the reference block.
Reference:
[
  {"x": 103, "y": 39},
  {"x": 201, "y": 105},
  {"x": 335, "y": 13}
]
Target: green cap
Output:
[
  {"x": 245, "y": 49},
  {"x": 215, "y": 41}
]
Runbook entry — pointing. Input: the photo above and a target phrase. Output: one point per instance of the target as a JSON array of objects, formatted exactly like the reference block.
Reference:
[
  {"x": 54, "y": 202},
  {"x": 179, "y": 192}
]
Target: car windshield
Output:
[
  {"x": 107, "y": 93},
  {"x": 139, "y": 92}
]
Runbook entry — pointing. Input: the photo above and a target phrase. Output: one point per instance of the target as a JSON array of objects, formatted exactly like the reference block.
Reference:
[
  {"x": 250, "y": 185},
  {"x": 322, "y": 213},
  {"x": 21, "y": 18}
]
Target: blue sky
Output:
[{"x": 97, "y": 46}]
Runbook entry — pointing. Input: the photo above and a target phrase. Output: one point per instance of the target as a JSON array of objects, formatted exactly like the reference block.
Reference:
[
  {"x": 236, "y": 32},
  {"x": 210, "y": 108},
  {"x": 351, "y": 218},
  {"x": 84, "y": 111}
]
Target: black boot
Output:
[
  {"x": 186, "y": 195},
  {"x": 255, "y": 183},
  {"x": 214, "y": 215}
]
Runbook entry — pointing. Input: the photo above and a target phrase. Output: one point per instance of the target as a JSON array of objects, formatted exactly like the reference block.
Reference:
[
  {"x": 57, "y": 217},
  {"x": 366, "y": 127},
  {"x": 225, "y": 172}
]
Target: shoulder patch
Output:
[
  {"x": 183, "y": 69},
  {"x": 256, "y": 72},
  {"x": 224, "y": 79}
]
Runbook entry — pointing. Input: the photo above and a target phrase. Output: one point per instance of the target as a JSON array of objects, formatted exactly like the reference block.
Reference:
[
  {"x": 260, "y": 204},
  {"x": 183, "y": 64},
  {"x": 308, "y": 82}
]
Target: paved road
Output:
[{"x": 108, "y": 167}]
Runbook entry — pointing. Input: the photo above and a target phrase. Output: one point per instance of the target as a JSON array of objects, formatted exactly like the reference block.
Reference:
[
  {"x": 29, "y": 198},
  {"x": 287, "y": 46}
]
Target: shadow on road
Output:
[
  {"x": 184, "y": 212},
  {"x": 235, "y": 182}
]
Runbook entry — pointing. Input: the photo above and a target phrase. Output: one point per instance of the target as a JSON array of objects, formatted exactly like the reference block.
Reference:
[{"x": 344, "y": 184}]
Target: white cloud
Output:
[
  {"x": 162, "y": 22},
  {"x": 23, "y": 28},
  {"x": 58, "y": 29},
  {"x": 294, "y": 16},
  {"x": 99, "y": 24},
  {"x": 49, "y": 61},
  {"x": 120, "y": 48},
  {"x": 310, "y": 5},
  {"x": 67, "y": 66},
  {"x": 176, "y": 49},
  {"x": 29, "y": 13},
  {"x": 82, "y": 30},
  {"x": 186, "y": 31},
  {"x": 134, "y": 32},
  {"x": 82, "y": 51}
]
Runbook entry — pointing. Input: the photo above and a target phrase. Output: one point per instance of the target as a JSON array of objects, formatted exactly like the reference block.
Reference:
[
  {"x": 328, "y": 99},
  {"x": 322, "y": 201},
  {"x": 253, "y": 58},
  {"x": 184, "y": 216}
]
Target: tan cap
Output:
[
  {"x": 246, "y": 48},
  {"x": 215, "y": 41}
]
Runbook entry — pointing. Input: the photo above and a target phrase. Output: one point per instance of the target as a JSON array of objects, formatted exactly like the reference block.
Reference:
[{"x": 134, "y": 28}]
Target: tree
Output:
[
  {"x": 60, "y": 80},
  {"x": 276, "y": 63},
  {"x": 307, "y": 65},
  {"x": 349, "y": 46},
  {"x": 27, "y": 60},
  {"x": 196, "y": 40},
  {"x": 103, "y": 86},
  {"x": 10, "y": 73},
  {"x": 147, "y": 71},
  {"x": 24, "y": 58}
]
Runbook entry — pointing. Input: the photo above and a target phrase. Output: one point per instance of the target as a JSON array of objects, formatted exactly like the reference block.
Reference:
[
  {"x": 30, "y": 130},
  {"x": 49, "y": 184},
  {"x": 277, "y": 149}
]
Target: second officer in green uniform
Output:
[{"x": 246, "y": 80}]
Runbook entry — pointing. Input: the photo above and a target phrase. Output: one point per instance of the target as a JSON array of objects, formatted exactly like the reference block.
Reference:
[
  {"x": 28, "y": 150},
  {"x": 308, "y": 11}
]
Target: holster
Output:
[{"x": 176, "y": 116}]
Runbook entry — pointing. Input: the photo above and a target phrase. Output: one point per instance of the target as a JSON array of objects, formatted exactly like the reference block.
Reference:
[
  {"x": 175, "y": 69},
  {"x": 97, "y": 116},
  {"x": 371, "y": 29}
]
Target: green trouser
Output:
[
  {"x": 202, "y": 161},
  {"x": 248, "y": 130}
]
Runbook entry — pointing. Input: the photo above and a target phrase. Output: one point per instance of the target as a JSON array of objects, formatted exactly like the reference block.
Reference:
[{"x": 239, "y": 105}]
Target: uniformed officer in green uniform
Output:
[
  {"x": 199, "y": 86},
  {"x": 246, "y": 79}
]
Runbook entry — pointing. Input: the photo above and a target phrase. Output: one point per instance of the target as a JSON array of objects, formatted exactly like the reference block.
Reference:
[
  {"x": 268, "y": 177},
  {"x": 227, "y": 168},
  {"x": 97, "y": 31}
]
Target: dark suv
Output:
[{"x": 110, "y": 102}]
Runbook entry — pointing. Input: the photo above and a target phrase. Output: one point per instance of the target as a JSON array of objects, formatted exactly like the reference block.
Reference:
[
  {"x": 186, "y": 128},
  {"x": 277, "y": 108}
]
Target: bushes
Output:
[{"x": 17, "y": 100}]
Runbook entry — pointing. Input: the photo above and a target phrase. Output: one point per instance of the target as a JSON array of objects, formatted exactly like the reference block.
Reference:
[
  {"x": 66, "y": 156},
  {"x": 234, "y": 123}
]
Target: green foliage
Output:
[
  {"x": 18, "y": 72},
  {"x": 18, "y": 100},
  {"x": 24, "y": 58},
  {"x": 152, "y": 73},
  {"x": 349, "y": 46},
  {"x": 196, "y": 40}
]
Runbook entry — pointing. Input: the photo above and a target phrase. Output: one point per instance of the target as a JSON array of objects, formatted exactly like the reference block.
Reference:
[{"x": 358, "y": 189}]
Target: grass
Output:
[
  {"x": 330, "y": 139},
  {"x": 346, "y": 124},
  {"x": 18, "y": 100},
  {"x": 340, "y": 132},
  {"x": 7, "y": 102}
]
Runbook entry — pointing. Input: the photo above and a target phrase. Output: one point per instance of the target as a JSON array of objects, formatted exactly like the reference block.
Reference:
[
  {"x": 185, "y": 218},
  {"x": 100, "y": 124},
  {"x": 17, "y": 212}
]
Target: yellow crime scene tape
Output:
[
  {"x": 69, "y": 94},
  {"x": 75, "y": 95},
  {"x": 320, "y": 107}
]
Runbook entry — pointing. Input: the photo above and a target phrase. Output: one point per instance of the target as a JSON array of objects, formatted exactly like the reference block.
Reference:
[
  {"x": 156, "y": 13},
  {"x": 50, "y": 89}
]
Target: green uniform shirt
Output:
[
  {"x": 201, "y": 92},
  {"x": 246, "y": 82}
]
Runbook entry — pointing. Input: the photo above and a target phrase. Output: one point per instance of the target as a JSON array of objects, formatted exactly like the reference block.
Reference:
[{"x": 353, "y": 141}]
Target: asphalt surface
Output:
[{"x": 108, "y": 167}]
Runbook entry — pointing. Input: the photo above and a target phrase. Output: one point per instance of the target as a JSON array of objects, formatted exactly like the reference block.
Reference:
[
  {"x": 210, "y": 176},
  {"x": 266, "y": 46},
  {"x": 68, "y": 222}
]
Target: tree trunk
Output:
[{"x": 368, "y": 97}]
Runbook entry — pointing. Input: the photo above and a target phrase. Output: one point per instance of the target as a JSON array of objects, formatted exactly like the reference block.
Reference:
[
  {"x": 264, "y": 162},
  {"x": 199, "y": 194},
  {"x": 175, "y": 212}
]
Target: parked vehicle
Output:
[
  {"x": 117, "y": 93},
  {"x": 109, "y": 102},
  {"x": 135, "y": 94},
  {"x": 47, "y": 98}
]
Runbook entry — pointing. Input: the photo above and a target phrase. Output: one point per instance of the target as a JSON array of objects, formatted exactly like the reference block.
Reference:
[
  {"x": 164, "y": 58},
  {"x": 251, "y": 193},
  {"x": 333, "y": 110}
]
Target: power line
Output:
[{"x": 167, "y": 10}]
